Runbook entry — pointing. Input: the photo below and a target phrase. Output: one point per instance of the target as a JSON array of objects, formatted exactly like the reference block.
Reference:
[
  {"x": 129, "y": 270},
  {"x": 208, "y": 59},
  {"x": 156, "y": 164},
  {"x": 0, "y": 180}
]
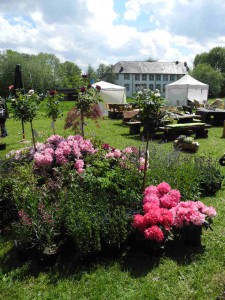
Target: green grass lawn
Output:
[{"x": 188, "y": 273}]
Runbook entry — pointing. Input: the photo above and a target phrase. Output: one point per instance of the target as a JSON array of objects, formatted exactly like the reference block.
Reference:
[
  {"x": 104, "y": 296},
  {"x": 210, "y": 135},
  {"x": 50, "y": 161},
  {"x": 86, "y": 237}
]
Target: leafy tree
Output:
[
  {"x": 53, "y": 108},
  {"x": 205, "y": 73},
  {"x": 25, "y": 109},
  {"x": 106, "y": 71},
  {"x": 91, "y": 74},
  {"x": 70, "y": 75},
  {"x": 86, "y": 106},
  {"x": 216, "y": 58},
  {"x": 201, "y": 59}
]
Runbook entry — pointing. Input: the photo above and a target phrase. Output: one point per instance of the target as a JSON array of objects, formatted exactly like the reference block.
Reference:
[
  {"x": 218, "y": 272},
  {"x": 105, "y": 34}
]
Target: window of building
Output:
[
  {"x": 172, "y": 77},
  {"x": 164, "y": 87},
  {"x": 165, "y": 77},
  {"x": 151, "y": 87},
  {"x": 158, "y": 77},
  {"x": 158, "y": 87},
  {"x": 139, "y": 87},
  {"x": 116, "y": 76},
  {"x": 179, "y": 76},
  {"x": 127, "y": 86},
  {"x": 137, "y": 77},
  {"x": 126, "y": 76},
  {"x": 151, "y": 77},
  {"x": 144, "y": 77}
]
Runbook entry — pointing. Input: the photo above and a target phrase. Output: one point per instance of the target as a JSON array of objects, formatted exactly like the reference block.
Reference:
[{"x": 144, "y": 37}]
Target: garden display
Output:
[{"x": 90, "y": 196}]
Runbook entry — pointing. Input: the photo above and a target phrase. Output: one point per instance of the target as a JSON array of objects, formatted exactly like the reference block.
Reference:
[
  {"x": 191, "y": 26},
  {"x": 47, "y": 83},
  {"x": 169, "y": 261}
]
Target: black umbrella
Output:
[{"x": 18, "y": 83}]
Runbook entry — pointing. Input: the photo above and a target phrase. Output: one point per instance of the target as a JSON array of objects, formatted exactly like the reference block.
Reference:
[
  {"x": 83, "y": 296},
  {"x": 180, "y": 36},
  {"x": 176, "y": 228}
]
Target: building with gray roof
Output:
[{"x": 149, "y": 75}]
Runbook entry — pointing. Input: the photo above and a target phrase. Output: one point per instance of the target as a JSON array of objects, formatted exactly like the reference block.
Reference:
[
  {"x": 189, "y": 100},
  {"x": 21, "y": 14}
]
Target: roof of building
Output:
[{"x": 142, "y": 67}]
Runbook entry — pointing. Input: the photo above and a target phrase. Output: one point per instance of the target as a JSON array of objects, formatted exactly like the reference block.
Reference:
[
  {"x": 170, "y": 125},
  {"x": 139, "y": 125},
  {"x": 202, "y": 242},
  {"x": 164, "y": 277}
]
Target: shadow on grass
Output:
[{"x": 138, "y": 260}]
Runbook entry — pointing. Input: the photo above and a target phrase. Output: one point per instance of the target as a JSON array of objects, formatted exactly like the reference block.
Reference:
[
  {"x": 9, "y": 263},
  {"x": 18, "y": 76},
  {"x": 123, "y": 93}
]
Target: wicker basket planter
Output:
[{"x": 186, "y": 146}]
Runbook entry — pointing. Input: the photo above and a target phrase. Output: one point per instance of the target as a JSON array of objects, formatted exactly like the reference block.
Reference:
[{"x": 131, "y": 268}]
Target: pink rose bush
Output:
[{"x": 164, "y": 213}]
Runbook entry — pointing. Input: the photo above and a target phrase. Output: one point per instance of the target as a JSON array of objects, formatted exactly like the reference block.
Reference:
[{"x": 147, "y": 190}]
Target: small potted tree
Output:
[{"x": 151, "y": 114}]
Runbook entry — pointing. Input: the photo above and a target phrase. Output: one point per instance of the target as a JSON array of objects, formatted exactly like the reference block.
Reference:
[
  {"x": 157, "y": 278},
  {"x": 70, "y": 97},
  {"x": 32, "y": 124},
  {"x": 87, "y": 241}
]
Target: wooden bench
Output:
[
  {"x": 135, "y": 127},
  {"x": 130, "y": 114},
  {"x": 173, "y": 130}
]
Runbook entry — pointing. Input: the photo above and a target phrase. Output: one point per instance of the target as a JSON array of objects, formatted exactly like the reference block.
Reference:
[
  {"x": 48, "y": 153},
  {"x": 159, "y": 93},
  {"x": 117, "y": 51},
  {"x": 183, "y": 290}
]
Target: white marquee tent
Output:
[
  {"x": 110, "y": 94},
  {"x": 187, "y": 87}
]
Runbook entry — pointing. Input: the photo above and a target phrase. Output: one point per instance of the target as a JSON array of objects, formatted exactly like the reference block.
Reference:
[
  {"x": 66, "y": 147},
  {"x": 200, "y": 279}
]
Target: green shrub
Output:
[{"x": 209, "y": 174}]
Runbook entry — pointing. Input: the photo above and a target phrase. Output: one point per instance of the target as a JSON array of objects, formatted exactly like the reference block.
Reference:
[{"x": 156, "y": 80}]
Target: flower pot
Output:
[
  {"x": 25, "y": 250},
  {"x": 191, "y": 235},
  {"x": 2, "y": 146},
  {"x": 185, "y": 146},
  {"x": 48, "y": 257}
]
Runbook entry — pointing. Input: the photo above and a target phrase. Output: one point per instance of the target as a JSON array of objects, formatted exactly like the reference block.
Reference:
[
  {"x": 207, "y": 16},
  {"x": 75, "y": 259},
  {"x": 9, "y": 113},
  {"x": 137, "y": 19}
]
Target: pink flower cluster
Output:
[
  {"x": 163, "y": 211},
  {"x": 124, "y": 156},
  {"x": 24, "y": 218},
  {"x": 60, "y": 151}
]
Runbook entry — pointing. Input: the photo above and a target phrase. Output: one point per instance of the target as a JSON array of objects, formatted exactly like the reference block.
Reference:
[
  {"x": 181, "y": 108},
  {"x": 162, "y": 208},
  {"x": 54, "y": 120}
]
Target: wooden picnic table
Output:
[
  {"x": 171, "y": 131},
  {"x": 212, "y": 116}
]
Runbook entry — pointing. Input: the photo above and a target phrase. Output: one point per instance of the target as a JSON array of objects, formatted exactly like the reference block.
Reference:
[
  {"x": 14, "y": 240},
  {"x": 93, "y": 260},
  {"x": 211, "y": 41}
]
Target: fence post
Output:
[{"x": 223, "y": 129}]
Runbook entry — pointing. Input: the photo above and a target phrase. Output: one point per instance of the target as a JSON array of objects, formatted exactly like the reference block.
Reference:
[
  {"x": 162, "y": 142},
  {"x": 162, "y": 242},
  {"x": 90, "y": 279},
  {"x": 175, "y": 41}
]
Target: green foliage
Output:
[
  {"x": 150, "y": 104},
  {"x": 210, "y": 68},
  {"x": 25, "y": 107},
  {"x": 209, "y": 175},
  {"x": 53, "y": 108},
  {"x": 207, "y": 74}
]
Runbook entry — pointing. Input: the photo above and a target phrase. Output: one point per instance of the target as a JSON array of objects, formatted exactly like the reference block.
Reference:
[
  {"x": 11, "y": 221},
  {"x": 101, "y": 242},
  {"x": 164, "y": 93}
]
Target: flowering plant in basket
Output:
[{"x": 164, "y": 214}]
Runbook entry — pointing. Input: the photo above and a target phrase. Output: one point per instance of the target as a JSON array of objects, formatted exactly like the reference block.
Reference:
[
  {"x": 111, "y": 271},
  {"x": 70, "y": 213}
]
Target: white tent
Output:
[
  {"x": 185, "y": 88},
  {"x": 110, "y": 94}
]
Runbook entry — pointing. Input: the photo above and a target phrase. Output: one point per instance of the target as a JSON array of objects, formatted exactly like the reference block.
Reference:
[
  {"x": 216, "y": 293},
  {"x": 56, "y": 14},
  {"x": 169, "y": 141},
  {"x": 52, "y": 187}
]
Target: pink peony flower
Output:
[
  {"x": 152, "y": 199},
  {"x": 117, "y": 153},
  {"x": 79, "y": 164},
  {"x": 170, "y": 199},
  {"x": 152, "y": 217},
  {"x": 138, "y": 222},
  {"x": 163, "y": 188},
  {"x": 209, "y": 211},
  {"x": 151, "y": 190},
  {"x": 154, "y": 233}
]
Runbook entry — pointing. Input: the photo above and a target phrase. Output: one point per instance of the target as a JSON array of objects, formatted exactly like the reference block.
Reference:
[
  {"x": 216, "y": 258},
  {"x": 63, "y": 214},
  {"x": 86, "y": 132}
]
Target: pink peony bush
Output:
[
  {"x": 60, "y": 151},
  {"x": 164, "y": 213}
]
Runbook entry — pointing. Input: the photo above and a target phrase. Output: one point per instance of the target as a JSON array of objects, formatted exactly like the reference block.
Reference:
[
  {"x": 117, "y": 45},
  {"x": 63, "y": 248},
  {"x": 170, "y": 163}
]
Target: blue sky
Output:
[{"x": 107, "y": 31}]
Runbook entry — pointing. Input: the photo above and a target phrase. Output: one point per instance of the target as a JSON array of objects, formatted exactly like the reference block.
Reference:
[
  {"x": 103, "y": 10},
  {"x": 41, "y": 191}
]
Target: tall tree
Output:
[
  {"x": 70, "y": 75},
  {"x": 91, "y": 73}
]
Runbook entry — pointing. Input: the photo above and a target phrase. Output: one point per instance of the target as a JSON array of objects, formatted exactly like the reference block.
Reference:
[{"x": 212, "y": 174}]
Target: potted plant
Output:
[
  {"x": 24, "y": 236},
  {"x": 151, "y": 114},
  {"x": 186, "y": 143}
]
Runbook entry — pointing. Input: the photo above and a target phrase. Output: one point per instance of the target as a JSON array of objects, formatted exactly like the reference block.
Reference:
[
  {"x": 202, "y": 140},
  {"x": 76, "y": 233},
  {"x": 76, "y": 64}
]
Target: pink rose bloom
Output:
[
  {"x": 79, "y": 164},
  {"x": 154, "y": 233},
  {"x": 163, "y": 188},
  {"x": 80, "y": 171}
]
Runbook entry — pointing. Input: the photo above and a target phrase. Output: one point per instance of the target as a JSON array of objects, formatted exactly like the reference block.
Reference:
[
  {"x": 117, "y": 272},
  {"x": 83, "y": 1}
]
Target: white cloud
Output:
[{"x": 91, "y": 32}]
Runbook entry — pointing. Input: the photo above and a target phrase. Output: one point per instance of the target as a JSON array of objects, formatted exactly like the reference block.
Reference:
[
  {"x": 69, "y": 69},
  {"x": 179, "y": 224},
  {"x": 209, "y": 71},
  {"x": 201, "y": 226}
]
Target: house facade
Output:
[{"x": 149, "y": 75}]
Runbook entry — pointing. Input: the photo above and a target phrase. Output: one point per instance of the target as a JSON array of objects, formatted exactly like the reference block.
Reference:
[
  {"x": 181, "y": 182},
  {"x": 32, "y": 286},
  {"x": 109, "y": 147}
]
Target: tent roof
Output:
[
  {"x": 187, "y": 80},
  {"x": 108, "y": 86}
]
